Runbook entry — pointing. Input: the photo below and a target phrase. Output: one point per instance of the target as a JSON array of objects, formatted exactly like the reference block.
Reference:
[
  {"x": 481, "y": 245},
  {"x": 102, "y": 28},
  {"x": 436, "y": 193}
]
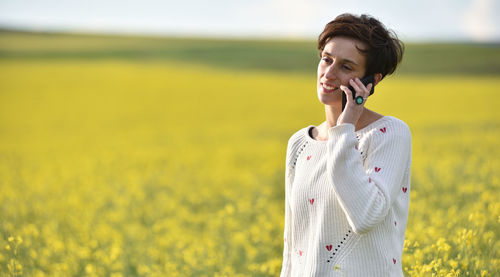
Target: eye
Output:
[
  {"x": 348, "y": 68},
  {"x": 325, "y": 59}
]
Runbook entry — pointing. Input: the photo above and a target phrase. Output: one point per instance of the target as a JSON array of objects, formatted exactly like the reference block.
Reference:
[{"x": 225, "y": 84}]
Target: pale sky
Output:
[{"x": 415, "y": 20}]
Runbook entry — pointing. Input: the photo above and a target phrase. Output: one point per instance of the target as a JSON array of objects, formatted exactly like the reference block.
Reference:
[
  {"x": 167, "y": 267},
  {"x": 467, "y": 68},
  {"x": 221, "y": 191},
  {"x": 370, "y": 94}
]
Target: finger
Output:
[
  {"x": 365, "y": 97},
  {"x": 368, "y": 89},
  {"x": 348, "y": 93},
  {"x": 357, "y": 88},
  {"x": 363, "y": 90}
]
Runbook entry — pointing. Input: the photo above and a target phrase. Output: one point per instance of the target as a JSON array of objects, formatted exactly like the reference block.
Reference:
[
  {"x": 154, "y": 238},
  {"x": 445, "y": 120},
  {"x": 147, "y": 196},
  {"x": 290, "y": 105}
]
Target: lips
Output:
[{"x": 328, "y": 88}]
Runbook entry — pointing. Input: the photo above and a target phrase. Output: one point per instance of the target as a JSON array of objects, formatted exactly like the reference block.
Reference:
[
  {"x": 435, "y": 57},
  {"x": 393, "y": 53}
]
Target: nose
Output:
[{"x": 331, "y": 72}]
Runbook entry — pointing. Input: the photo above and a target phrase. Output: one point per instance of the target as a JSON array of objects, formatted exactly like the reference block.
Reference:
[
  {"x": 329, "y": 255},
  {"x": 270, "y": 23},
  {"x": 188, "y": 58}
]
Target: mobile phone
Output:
[{"x": 365, "y": 80}]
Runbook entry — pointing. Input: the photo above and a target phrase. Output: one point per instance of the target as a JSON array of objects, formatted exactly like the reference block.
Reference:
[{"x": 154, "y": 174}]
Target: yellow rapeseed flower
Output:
[{"x": 144, "y": 183}]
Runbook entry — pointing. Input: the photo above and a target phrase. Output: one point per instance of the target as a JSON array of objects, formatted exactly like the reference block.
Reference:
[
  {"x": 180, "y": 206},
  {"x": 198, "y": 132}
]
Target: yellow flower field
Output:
[{"x": 114, "y": 168}]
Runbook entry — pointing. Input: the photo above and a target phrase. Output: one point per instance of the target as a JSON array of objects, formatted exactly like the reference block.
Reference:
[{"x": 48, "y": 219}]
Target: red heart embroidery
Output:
[
  {"x": 300, "y": 252},
  {"x": 311, "y": 201},
  {"x": 308, "y": 158},
  {"x": 405, "y": 189},
  {"x": 383, "y": 130},
  {"x": 377, "y": 169},
  {"x": 329, "y": 247},
  {"x": 394, "y": 260}
]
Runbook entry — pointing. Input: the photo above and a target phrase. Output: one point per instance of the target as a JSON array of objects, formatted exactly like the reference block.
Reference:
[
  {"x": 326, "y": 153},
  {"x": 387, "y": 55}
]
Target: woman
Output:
[{"x": 348, "y": 180}]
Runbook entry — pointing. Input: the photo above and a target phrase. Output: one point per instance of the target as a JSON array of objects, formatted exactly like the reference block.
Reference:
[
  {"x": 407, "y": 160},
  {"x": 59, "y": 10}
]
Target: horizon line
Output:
[{"x": 210, "y": 36}]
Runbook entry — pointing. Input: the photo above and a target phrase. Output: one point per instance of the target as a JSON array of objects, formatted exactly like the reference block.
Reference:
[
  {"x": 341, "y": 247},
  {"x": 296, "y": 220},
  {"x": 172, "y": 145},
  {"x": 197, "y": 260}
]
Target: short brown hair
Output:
[{"x": 385, "y": 50}]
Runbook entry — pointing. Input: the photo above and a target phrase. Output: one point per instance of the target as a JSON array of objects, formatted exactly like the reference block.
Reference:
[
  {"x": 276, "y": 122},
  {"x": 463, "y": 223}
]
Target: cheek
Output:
[
  {"x": 319, "y": 72},
  {"x": 344, "y": 80}
]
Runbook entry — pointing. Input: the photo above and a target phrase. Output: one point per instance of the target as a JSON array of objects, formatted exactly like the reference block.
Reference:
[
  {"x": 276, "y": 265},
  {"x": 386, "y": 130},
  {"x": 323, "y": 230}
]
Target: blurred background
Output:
[{"x": 149, "y": 138}]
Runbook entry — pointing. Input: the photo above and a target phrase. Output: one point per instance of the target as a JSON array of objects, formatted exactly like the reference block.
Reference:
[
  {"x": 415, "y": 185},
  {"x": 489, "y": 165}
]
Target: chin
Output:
[{"x": 329, "y": 99}]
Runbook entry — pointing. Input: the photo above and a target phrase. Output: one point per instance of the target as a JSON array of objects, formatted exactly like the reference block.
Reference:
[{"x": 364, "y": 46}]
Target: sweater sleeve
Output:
[
  {"x": 287, "y": 239},
  {"x": 366, "y": 192},
  {"x": 287, "y": 245}
]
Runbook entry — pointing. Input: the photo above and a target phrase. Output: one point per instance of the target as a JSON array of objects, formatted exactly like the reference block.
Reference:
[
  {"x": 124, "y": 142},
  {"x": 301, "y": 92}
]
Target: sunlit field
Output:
[{"x": 116, "y": 167}]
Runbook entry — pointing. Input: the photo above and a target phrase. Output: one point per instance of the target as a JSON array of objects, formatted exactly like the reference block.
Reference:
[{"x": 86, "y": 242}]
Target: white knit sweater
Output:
[{"x": 347, "y": 200}]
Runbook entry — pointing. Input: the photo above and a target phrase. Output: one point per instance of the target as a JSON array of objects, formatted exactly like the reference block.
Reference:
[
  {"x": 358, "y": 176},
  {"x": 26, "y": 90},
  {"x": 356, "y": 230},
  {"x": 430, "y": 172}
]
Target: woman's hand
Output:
[{"x": 353, "y": 111}]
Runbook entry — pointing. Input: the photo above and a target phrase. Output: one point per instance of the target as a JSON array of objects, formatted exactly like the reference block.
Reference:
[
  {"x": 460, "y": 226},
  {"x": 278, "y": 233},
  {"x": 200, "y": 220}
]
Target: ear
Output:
[{"x": 378, "y": 78}]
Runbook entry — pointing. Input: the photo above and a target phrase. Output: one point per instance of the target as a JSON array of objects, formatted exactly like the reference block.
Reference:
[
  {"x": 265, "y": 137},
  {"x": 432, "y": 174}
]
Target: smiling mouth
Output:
[{"x": 328, "y": 88}]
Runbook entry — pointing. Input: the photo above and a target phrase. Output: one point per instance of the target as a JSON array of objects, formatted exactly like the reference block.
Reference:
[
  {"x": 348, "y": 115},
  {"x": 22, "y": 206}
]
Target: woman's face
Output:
[{"x": 340, "y": 62}]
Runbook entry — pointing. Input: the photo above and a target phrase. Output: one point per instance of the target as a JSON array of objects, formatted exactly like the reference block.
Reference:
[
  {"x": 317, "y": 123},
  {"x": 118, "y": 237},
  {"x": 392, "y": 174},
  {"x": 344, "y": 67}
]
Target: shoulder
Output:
[
  {"x": 389, "y": 137},
  {"x": 388, "y": 126},
  {"x": 297, "y": 139},
  {"x": 398, "y": 128},
  {"x": 388, "y": 131},
  {"x": 393, "y": 133},
  {"x": 299, "y": 135}
]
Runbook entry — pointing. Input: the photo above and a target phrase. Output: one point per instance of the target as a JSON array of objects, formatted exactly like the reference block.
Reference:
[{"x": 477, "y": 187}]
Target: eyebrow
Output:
[{"x": 344, "y": 60}]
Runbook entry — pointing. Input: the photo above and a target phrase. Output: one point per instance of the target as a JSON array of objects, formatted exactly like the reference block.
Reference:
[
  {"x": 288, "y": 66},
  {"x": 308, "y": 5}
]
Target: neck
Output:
[{"x": 332, "y": 115}]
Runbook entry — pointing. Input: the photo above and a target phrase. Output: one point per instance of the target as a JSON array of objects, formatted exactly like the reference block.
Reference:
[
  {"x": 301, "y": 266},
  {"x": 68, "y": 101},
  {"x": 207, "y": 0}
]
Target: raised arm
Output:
[{"x": 367, "y": 191}]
